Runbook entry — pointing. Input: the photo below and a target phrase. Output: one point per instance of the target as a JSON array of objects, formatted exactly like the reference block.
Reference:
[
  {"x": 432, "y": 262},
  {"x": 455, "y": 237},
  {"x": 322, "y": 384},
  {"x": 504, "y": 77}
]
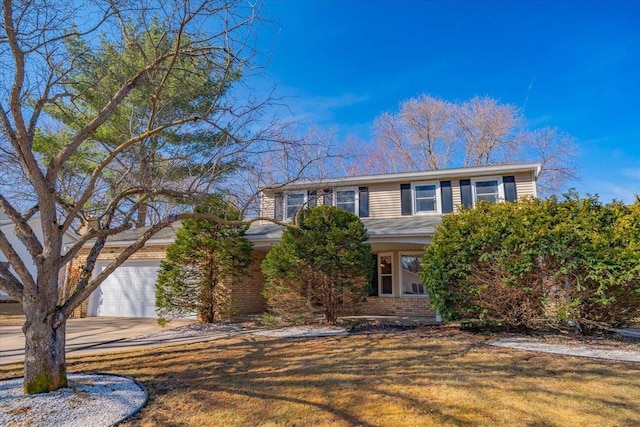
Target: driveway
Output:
[{"x": 91, "y": 334}]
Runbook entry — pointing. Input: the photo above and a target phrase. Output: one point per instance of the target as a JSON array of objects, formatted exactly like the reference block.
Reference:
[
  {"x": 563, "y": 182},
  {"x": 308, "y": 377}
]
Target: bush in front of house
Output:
[
  {"x": 535, "y": 264},
  {"x": 322, "y": 263},
  {"x": 200, "y": 265}
]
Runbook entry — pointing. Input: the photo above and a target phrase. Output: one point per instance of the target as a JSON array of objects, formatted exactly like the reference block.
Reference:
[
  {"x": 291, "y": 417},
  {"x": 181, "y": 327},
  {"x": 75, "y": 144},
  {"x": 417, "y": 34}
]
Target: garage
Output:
[{"x": 128, "y": 292}]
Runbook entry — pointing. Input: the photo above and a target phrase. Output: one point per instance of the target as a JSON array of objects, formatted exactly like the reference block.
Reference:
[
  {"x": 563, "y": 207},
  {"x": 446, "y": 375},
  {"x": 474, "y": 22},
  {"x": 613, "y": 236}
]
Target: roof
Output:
[
  {"x": 469, "y": 172},
  {"x": 411, "y": 229},
  {"x": 34, "y": 222},
  {"x": 165, "y": 236}
]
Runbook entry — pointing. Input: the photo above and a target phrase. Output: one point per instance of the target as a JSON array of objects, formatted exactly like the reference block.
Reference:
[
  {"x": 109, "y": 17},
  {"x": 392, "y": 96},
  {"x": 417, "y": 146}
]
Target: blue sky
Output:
[{"x": 574, "y": 65}]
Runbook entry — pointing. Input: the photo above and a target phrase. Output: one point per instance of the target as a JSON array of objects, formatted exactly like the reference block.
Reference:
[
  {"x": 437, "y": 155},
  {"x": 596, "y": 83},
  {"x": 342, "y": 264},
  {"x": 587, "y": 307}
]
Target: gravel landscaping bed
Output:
[
  {"x": 596, "y": 352},
  {"x": 91, "y": 400},
  {"x": 302, "y": 332},
  {"x": 195, "y": 330}
]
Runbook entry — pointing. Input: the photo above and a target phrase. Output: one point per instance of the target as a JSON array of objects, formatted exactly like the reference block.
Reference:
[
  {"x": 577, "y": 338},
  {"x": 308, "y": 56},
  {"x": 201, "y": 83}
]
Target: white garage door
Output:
[{"x": 128, "y": 292}]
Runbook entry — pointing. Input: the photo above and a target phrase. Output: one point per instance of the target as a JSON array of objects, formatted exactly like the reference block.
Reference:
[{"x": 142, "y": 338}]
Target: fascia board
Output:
[{"x": 412, "y": 176}]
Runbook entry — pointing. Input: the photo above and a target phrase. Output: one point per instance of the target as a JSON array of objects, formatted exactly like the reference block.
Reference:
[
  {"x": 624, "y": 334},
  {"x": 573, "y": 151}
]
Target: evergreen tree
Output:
[
  {"x": 323, "y": 261},
  {"x": 196, "y": 276}
]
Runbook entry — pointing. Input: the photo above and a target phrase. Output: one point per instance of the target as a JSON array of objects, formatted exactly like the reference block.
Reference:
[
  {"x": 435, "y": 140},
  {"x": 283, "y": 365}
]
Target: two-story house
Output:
[{"x": 400, "y": 212}]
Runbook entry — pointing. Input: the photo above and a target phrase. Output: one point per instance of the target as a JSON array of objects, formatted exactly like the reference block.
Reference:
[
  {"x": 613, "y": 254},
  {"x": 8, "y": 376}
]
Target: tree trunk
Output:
[{"x": 44, "y": 362}]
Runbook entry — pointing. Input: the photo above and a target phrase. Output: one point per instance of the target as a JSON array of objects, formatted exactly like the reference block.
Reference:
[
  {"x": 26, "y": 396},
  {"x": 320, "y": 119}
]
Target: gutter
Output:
[{"x": 477, "y": 171}]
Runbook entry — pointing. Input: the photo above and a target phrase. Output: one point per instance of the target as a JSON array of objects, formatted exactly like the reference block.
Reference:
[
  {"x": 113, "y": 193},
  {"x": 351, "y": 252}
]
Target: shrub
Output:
[
  {"x": 538, "y": 262},
  {"x": 323, "y": 261}
]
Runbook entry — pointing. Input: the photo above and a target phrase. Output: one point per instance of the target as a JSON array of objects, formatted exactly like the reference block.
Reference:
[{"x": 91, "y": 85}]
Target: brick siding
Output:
[
  {"x": 246, "y": 291},
  {"x": 390, "y": 306}
]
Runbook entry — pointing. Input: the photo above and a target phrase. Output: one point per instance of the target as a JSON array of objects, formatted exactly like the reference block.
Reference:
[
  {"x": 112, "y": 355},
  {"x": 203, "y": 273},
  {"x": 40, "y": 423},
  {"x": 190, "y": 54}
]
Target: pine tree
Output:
[
  {"x": 325, "y": 261},
  {"x": 196, "y": 276}
]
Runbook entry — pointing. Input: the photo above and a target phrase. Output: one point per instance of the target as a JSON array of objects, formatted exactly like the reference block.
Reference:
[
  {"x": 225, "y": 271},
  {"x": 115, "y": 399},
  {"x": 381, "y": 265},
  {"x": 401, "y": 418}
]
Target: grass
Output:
[{"x": 422, "y": 377}]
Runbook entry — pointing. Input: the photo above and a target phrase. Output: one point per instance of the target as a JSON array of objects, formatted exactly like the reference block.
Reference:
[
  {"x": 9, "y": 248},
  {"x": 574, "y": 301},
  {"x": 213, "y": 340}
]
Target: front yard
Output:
[{"x": 426, "y": 376}]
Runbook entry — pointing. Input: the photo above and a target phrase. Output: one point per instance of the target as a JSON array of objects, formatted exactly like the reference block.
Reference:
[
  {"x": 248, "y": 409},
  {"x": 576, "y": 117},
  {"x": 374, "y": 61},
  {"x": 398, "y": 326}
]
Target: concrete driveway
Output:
[{"x": 88, "y": 335}]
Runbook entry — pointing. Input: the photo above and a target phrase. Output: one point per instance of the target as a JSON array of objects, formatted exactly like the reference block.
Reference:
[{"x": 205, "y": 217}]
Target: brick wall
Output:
[
  {"x": 384, "y": 306},
  {"x": 246, "y": 292},
  {"x": 109, "y": 253}
]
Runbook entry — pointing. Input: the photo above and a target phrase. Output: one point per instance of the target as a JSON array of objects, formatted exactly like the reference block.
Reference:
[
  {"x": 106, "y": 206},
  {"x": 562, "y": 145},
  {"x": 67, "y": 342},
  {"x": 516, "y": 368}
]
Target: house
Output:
[
  {"x": 400, "y": 212},
  {"x": 8, "y": 229}
]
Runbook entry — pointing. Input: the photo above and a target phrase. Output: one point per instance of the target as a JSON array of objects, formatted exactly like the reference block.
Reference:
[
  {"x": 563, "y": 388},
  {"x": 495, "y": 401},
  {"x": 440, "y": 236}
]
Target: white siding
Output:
[{"x": 525, "y": 185}]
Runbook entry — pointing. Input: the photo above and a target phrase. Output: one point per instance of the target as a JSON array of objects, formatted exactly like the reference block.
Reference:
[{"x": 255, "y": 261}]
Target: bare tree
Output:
[
  {"x": 557, "y": 152},
  {"x": 419, "y": 135},
  {"x": 80, "y": 183},
  {"x": 428, "y": 133},
  {"x": 489, "y": 132}
]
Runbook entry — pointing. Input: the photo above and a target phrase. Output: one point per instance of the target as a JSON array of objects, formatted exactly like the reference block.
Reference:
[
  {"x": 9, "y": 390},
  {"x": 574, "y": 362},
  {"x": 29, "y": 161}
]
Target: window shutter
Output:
[
  {"x": 405, "y": 196},
  {"x": 312, "y": 198},
  {"x": 327, "y": 197},
  {"x": 373, "y": 285},
  {"x": 363, "y": 202},
  {"x": 465, "y": 193},
  {"x": 446, "y": 195},
  {"x": 278, "y": 207},
  {"x": 510, "y": 194}
]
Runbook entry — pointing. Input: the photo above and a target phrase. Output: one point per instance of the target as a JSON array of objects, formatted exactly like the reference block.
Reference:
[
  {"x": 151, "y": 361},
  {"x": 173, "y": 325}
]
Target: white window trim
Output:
[
  {"x": 487, "y": 178},
  {"x": 356, "y": 198},
  {"x": 285, "y": 203},
  {"x": 438, "y": 210},
  {"x": 393, "y": 287},
  {"x": 400, "y": 269}
]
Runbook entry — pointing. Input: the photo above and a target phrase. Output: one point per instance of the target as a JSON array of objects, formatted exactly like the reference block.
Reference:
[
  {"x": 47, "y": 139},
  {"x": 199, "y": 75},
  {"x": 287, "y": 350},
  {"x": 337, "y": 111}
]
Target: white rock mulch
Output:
[
  {"x": 302, "y": 332},
  {"x": 569, "y": 350},
  {"x": 195, "y": 330},
  {"x": 91, "y": 400}
]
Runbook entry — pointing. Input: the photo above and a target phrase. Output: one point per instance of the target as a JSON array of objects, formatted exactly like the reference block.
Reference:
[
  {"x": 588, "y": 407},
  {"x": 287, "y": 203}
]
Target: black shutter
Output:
[
  {"x": 510, "y": 194},
  {"x": 363, "y": 202},
  {"x": 373, "y": 285},
  {"x": 327, "y": 198},
  {"x": 446, "y": 195},
  {"x": 278, "y": 207},
  {"x": 312, "y": 198},
  {"x": 405, "y": 196},
  {"x": 465, "y": 193}
]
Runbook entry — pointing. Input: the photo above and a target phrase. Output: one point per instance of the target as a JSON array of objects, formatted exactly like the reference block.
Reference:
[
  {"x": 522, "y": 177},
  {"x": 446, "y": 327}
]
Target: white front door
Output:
[{"x": 128, "y": 292}]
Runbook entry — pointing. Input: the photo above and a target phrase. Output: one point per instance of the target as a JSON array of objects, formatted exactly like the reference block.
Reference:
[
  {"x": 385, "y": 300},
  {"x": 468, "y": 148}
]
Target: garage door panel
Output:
[{"x": 128, "y": 292}]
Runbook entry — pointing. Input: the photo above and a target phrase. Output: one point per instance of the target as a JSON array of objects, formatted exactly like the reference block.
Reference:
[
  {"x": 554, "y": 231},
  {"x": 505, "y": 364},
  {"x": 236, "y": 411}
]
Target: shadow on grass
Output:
[{"x": 377, "y": 379}]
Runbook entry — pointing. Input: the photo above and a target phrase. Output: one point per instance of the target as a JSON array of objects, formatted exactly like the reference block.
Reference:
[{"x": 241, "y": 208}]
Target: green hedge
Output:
[{"x": 538, "y": 263}]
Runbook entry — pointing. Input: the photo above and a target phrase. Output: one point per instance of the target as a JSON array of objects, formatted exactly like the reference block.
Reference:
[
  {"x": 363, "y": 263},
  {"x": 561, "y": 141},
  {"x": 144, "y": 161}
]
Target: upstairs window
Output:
[
  {"x": 488, "y": 189},
  {"x": 425, "y": 198},
  {"x": 347, "y": 200},
  {"x": 294, "y": 202}
]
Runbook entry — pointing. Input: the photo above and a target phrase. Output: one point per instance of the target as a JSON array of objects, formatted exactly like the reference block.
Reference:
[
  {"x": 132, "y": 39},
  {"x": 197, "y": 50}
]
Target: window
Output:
[
  {"x": 294, "y": 202},
  {"x": 346, "y": 199},
  {"x": 420, "y": 198},
  {"x": 488, "y": 189},
  {"x": 385, "y": 274},
  {"x": 410, "y": 276},
  {"x": 425, "y": 198}
]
